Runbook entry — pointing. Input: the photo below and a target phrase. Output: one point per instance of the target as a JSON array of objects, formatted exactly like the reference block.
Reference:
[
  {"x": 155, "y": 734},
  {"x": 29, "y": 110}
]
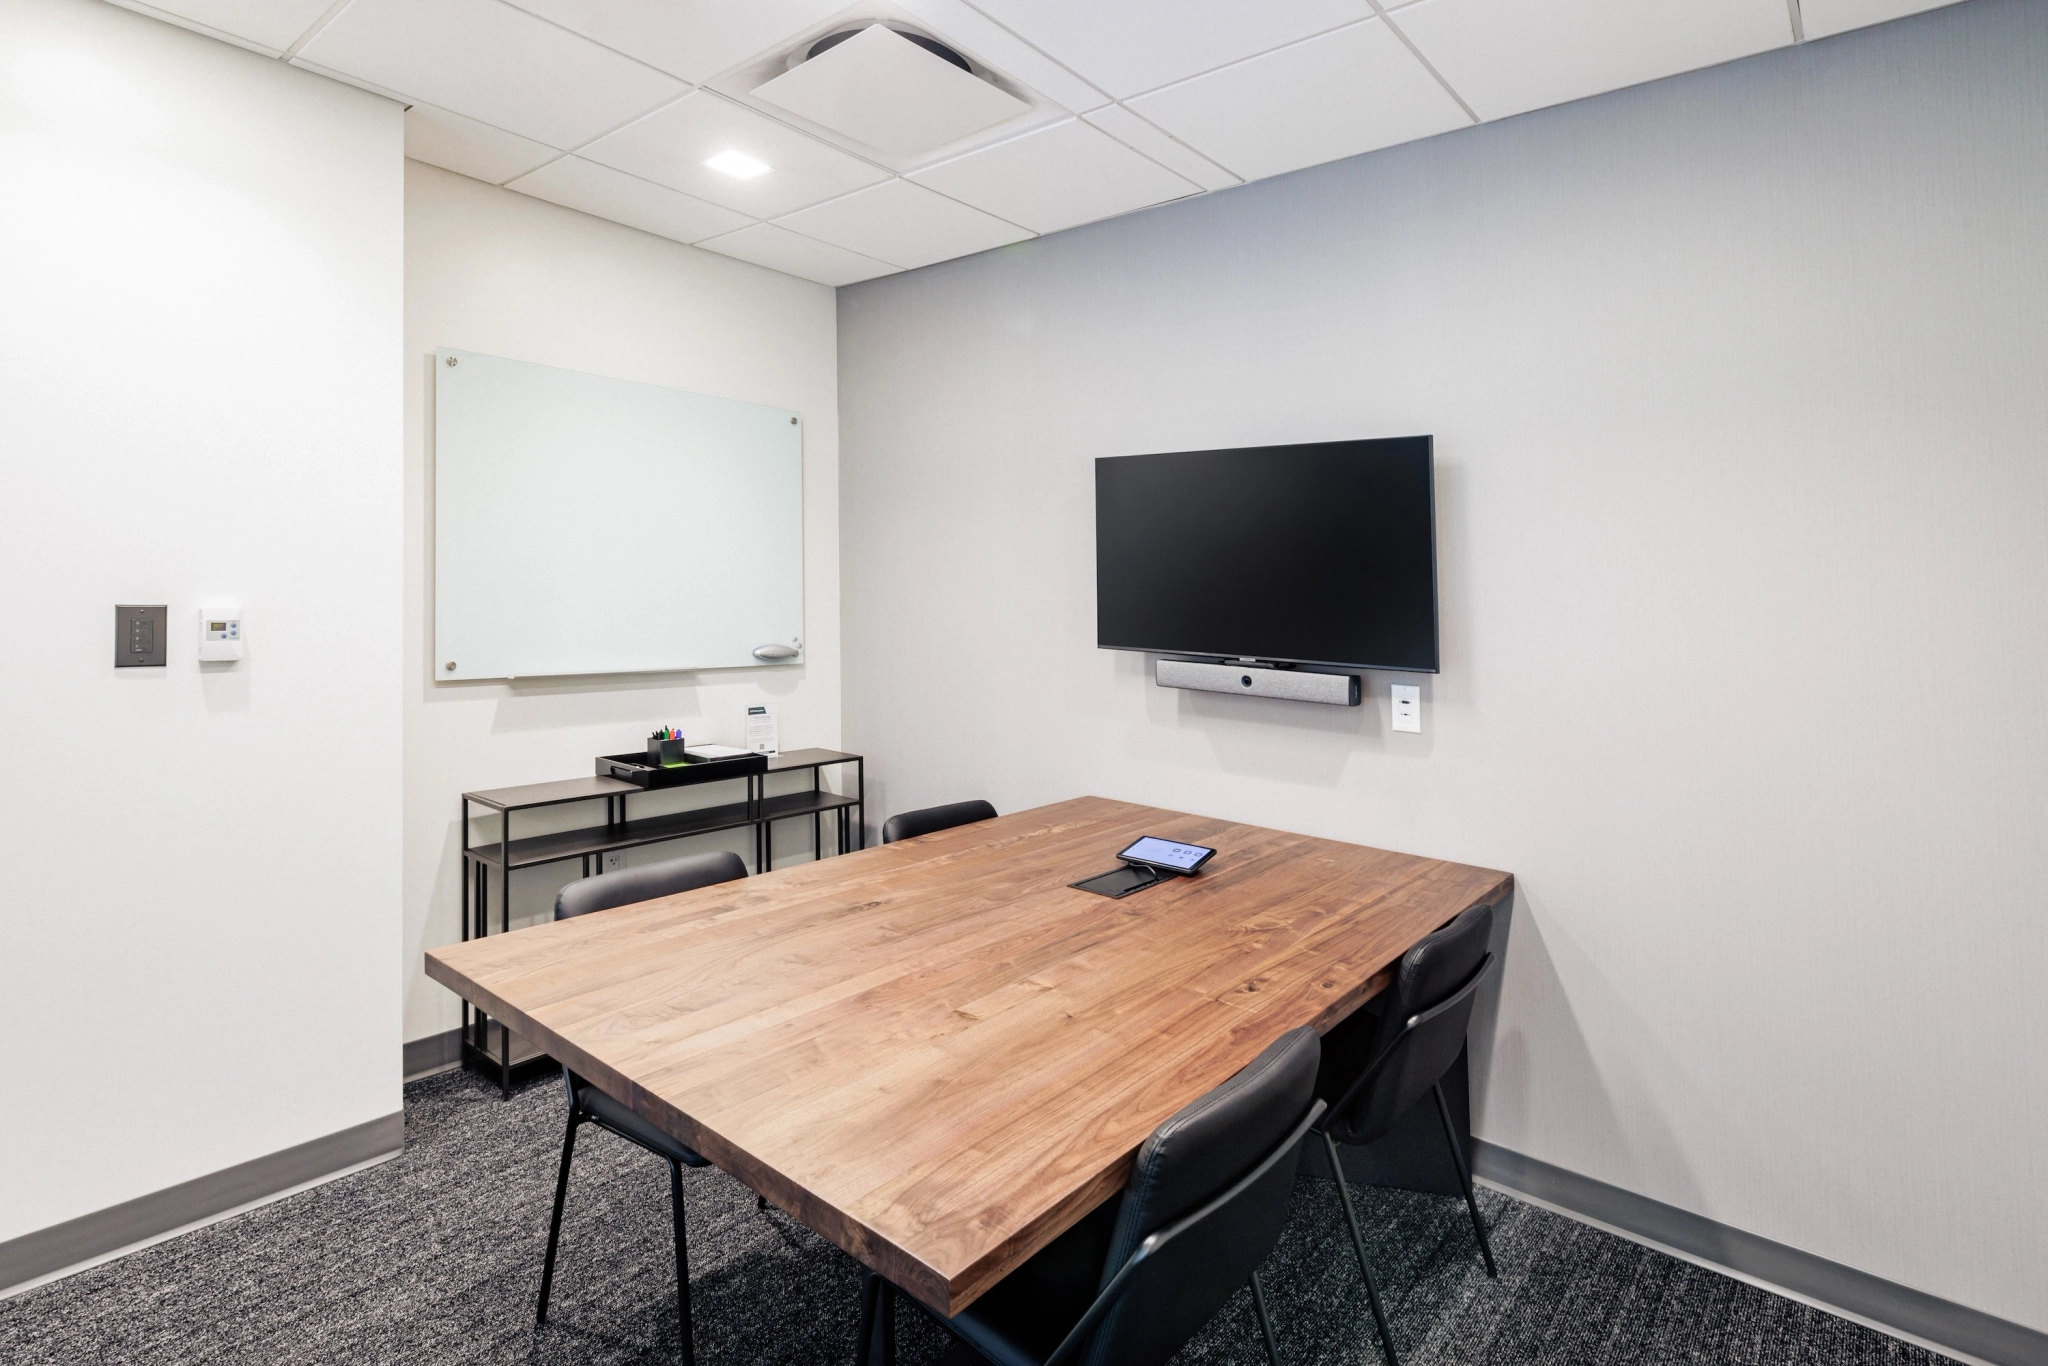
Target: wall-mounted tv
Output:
[{"x": 1311, "y": 554}]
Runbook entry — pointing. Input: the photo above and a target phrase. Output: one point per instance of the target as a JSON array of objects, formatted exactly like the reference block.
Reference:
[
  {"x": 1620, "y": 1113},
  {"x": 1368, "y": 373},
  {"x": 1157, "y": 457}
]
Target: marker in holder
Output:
[{"x": 665, "y": 748}]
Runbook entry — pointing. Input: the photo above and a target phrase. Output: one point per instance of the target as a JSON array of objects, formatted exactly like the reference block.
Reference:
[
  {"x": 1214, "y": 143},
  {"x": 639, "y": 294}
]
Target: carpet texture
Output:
[{"x": 433, "y": 1259}]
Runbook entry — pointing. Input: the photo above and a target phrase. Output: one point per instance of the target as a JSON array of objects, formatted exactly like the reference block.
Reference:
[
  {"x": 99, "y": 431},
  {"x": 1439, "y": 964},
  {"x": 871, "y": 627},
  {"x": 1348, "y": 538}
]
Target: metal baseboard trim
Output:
[
  {"x": 435, "y": 1053},
  {"x": 1898, "y": 1309},
  {"x": 90, "y": 1238}
]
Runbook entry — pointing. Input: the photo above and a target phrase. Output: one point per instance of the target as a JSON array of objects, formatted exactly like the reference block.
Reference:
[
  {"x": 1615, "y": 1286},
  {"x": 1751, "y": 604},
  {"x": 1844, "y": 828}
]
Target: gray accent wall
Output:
[{"x": 1740, "y": 389}]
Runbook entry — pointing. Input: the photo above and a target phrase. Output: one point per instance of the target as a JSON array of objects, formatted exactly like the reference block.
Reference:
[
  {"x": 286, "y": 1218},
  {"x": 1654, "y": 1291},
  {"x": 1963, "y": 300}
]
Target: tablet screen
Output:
[{"x": 1182, "y": 858}]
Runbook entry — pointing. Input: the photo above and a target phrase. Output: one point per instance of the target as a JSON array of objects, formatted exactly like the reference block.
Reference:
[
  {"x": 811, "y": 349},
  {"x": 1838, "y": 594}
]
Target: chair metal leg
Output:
[
  {"x": 1443, "y": 1112},
  {"x": 1372, "y": 1290},
  {"x": 675, "y": 1193},
  {"x": 1265, "y": 1323},
  {"x": 547, "y": 1270}
]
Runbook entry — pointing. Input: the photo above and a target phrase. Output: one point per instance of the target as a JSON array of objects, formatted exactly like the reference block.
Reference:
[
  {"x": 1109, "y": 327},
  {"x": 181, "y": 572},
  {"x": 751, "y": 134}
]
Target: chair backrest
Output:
[
  {"x": 1228, "y": 1160},
  {"x": 647, "y": 882},
  {"x": 911, "y": 824},
  {"x": 1421, "y": 1028}
]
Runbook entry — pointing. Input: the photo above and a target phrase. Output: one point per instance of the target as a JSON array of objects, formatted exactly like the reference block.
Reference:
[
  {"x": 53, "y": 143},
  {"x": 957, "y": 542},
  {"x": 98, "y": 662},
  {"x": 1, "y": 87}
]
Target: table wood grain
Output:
[{"x": 936, "y": 1053}]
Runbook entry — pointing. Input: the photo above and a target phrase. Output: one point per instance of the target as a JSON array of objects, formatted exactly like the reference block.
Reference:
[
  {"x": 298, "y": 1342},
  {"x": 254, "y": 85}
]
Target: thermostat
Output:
[{"x": 220, "y": 633}]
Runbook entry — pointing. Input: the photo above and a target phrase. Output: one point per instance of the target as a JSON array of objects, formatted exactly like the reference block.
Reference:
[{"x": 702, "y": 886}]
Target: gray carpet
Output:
[{"x": 433, "y": 1259}]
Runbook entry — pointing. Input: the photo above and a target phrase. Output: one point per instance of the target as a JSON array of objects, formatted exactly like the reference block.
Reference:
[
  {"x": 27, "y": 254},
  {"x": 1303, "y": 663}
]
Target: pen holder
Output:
[{"x": 665, "y": 753}]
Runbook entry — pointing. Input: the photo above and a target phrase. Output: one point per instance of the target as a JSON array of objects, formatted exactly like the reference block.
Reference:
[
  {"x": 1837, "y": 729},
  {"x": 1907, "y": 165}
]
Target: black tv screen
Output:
[{"x": 1311, "y": 554}]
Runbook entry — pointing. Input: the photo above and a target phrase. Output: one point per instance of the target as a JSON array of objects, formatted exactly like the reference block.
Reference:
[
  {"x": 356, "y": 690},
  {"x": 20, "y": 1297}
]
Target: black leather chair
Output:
[
  {"x": 1133, "y": 1281},
  {"x": 1380, "y": 1061},
  {"x": 911, "y": 824},
  {"x": 588, "y": 1105}
]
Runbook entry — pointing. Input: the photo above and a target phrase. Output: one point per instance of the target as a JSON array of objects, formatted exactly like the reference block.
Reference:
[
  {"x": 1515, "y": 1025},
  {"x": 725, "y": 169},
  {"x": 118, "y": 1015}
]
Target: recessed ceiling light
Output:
[{"x": 739, "y": 165}]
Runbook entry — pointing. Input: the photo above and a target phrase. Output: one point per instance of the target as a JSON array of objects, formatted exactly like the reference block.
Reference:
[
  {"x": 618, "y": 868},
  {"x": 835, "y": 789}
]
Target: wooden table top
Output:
[{"x": 936, "y": 1053}]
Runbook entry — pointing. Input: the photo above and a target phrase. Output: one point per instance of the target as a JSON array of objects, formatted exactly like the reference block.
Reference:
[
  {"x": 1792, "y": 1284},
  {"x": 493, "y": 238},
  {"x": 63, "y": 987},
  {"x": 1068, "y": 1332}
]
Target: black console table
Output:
[{"x": 488, "y": 1046}]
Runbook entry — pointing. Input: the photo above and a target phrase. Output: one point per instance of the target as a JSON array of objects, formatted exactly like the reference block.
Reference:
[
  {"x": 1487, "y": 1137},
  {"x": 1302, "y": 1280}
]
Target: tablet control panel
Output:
[{"x": 1168, "y": 855}]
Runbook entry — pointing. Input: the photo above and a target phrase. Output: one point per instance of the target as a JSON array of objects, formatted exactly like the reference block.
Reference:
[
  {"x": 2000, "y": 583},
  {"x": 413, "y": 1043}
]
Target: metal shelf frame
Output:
[{"x": 494, "y": 1050}]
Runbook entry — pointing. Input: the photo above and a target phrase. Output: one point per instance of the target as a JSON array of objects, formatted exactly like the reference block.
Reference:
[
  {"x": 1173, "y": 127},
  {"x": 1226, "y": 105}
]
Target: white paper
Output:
[
  {"x": 717, "y": 751},
  {"x": 761, "y": 731}
]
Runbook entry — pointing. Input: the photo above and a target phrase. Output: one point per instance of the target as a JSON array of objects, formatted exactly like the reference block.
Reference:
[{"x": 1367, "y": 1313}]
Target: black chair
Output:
[
  {"x": 1134, "y": 1280},
  {"x": 1379, "y": 1062},
  {"x": 588, "y": 1105},
  {"x": 911, "y": 824}
]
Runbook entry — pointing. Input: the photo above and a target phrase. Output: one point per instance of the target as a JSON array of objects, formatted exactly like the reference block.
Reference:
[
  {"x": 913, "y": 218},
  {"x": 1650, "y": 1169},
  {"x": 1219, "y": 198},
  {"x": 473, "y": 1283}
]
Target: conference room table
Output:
[{"x": 937, "y": 1053}]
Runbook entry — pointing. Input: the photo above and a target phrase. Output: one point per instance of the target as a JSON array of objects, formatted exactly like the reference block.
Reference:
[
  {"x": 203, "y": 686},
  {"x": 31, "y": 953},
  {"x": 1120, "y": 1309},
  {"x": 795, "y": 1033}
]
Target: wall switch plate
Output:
[
  {"x": 220, "y": 634},
  {"x": 139, "y": 637},
  {"x": 1407, "y": 707},
  {"x": 613, "y": 862}
]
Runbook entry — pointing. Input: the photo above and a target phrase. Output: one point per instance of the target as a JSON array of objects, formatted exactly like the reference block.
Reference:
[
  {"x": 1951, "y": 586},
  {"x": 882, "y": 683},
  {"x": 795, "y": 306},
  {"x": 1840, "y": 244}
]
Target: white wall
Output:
[
  {"x": 1737, "y": 381},
  {"x": 199, "y": 396},
  {"x": 498, "y": 272}
]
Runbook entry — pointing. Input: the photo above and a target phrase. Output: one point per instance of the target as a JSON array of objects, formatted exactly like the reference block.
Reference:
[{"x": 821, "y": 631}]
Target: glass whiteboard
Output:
[{"x": 585, "y": 525}]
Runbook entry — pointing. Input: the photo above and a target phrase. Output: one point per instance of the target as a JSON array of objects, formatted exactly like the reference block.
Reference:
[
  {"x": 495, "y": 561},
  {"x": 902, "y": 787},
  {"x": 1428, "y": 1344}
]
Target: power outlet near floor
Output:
[{"x": 614, "y": 862}]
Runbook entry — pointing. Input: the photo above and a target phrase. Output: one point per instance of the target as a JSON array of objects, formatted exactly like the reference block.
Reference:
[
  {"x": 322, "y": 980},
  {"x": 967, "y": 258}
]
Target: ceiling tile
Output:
[
  {"x": 1127, "y": 128},
  {"x": 578, "y": 184},
  {"x": 1057, "y": 177},
  {"x": 274, "y": 24},
  {"x": 1510, "y": 56},
  {"x": 884, "y": 91},
  {"x": 694, "y": 39},
  {"x": 490, "y": 62},
  {"x": 397, "y": 97},
  {"x": 905, "y": 225},
  {"x": 1130, "y": 46},
  {"x": 1823, "y": 18},
  {"x": 960, "y": 25},
  {"x": 463, "y": 145},
  {"x": 194, "y": 26},
  {"x": 1335, "y": 96},
  {"x": 794, "y": 254},
  {"x": 670, "y": 147}
]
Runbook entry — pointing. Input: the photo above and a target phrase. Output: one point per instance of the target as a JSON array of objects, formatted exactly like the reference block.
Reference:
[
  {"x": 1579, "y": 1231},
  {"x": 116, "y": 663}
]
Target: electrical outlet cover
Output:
[{"x": 1407, "y": 707}]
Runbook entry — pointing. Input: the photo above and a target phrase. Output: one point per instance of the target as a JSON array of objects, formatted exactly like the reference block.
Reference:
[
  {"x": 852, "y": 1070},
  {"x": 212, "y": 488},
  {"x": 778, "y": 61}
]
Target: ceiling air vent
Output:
[{"x": 900, "y": 93}]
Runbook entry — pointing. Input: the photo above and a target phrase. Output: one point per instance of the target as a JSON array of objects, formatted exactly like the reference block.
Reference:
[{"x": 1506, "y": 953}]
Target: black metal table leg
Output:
[{"x": 864, "y": 1336}]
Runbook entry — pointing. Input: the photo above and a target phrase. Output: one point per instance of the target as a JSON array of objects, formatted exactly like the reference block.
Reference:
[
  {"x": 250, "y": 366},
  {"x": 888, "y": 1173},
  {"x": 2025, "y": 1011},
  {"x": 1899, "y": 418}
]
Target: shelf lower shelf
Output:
[
  {"x": 599, "y": 839},
  {"x": 804, "y": 804}
]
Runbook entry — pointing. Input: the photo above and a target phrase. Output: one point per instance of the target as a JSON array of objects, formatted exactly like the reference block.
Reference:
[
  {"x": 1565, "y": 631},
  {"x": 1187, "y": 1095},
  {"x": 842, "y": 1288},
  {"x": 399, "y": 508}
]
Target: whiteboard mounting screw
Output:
[
  {"x": 450, "y": 666},
  {"x": 792, "y": 422},
  {"x": 451, "y": 360}
]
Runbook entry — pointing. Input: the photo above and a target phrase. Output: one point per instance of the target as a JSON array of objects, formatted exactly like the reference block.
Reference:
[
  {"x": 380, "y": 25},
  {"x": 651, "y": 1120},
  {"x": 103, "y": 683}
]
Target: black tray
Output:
[{"x": 634, "y": 768}]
